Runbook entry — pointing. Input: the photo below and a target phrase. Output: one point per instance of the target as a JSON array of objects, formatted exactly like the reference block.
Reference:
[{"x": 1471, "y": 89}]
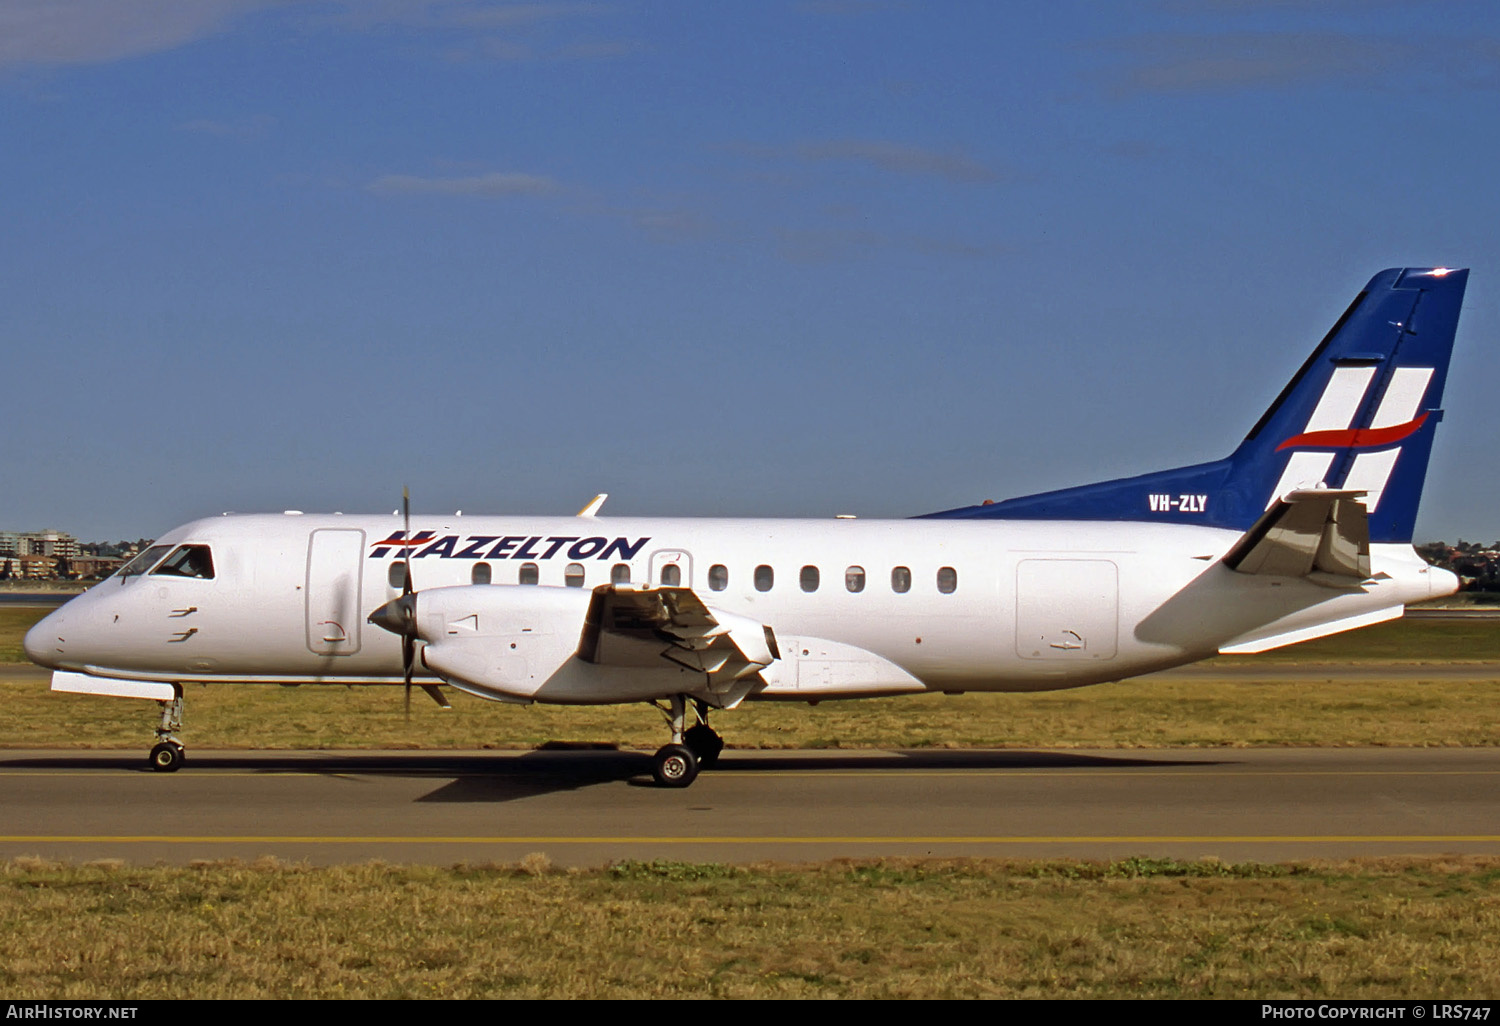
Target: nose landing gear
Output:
[
  {"x": 168, "y": 757},
  {"x": 169, "y": 754}
]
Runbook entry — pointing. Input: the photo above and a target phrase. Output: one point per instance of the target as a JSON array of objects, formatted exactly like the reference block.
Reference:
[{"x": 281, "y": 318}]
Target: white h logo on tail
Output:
[{"x": 1328, "y": 429}]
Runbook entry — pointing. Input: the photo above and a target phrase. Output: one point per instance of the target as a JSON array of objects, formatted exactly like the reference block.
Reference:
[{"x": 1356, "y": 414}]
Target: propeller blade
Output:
[
  {"x": 409, "y": 639},
  {"x": 408, "y": 660},
  {"x": 406, "y": 533}
]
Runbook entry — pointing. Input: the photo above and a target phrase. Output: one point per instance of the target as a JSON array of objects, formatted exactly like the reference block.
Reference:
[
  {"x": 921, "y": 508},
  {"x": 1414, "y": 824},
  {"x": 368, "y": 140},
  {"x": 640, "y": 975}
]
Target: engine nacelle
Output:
[{"x": 500, "y": 641}]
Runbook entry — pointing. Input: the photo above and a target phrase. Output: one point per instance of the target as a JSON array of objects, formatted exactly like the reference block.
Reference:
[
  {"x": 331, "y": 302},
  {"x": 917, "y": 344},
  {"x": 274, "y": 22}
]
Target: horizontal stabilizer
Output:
[
  {"x": 1322, "y": 531},
  {"x": 1271, "y": 636}
]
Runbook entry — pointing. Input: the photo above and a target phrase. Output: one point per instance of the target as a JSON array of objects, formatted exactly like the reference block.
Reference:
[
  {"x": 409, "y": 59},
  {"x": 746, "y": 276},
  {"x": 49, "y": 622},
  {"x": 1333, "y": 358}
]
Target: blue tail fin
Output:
[{"x": 1360, "y": 414}]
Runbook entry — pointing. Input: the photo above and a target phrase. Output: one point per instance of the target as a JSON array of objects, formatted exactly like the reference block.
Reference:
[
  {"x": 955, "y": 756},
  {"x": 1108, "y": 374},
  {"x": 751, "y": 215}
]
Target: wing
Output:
[
  {"x": 616, "y": 643},
  {"x": 629, "y": 627}
]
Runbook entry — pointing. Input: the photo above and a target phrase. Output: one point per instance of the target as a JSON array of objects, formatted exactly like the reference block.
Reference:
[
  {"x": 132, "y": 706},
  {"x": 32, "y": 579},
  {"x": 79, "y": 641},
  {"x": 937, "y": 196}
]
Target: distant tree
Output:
[
  {"x": 1437, "y": 553},
  {"x": 1476, "y": 570}
]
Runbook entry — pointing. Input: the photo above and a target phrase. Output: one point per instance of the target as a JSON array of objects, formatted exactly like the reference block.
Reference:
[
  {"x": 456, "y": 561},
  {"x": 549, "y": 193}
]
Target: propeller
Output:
[
  {"x": 399, "y": 616},
  {"x": 408, "y": 637}
]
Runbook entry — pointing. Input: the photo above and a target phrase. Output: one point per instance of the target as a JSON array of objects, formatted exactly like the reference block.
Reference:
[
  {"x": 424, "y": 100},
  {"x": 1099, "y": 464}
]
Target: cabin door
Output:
[{"x": 335, "y": 563}]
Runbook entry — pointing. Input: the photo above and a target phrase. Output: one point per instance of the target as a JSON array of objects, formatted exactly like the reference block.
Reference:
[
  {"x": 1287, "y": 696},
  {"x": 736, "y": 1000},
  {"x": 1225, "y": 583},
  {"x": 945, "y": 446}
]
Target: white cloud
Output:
[
  {"x": 899, "y": 158},
  {"x": 91, "y": 31},
  {"x": 495, "y": 183},
  {"x": 257, "y": 126},
  {"x": 910, "y": 160},
  {"x": 492, "y": 16},
  {"x": 96, "y": 31},
  {"x": 477, "y": 14},
  {"x": 1184, "y": 63}
]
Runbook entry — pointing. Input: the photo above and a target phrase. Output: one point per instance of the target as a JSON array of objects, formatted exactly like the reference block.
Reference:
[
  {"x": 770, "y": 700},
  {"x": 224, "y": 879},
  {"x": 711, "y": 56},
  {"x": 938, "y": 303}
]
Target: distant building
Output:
[
  {"x": 34, "y": 554},
  {"x": 50, "y": 542},
  {"x": 95, "y": 566},
  {"x": 29, "y": 567}
]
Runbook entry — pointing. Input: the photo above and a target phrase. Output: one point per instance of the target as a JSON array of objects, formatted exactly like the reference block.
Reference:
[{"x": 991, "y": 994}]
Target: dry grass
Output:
[
  {"x": 1414, "y": 928},
  {"x": 14, "y": 623},
  {"x": 962, "y": 928},
  {"x": 1195, "y": 712},
  {"x": 1396, "y": 703}
]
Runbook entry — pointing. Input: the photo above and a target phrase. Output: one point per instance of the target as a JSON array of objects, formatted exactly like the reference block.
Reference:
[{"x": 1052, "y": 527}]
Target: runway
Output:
[{"x": 588, "y": 808}]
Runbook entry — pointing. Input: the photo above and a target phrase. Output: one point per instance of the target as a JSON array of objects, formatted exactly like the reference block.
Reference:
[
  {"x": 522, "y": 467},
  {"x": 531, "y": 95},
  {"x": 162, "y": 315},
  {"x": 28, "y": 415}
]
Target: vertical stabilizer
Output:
[{"x": 1359, "y": 415}]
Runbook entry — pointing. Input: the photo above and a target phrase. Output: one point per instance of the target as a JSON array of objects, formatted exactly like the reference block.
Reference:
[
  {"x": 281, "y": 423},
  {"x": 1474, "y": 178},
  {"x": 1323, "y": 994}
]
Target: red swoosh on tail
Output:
[{"x": 1353, "y": 438}]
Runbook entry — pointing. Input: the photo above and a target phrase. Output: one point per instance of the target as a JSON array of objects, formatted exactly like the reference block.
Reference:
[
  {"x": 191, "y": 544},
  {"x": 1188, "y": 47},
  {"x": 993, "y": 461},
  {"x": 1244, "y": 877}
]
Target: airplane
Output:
[{"x": 1304, "y": 530}]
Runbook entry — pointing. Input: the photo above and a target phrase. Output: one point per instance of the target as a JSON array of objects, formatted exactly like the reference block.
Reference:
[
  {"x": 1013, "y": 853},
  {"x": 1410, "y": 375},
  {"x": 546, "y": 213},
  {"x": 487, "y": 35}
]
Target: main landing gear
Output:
[
  {"x": 694, "y": 748},
  {"x": 168, "y": 755}
]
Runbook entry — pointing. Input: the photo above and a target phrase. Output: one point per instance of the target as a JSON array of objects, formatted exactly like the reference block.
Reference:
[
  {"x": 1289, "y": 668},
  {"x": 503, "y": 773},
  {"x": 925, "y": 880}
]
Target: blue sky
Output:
[{"x": 771, "y": 258}]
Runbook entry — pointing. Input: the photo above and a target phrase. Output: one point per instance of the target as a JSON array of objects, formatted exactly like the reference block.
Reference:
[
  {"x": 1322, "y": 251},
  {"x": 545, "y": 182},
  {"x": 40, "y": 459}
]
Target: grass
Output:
[
  {"x": 1196, "y": 712},
  {"x": 14, "y": 623},
  {"x": 884, "y": 929},
  {"x": 1395, "y": 641},
  {"x": 1394, "y": 703},
  {"x": 1137, "y": 927}
]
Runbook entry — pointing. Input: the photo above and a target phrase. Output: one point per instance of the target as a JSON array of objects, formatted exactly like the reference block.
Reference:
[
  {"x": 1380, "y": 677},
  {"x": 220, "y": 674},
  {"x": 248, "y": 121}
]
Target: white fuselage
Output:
[{"x": 990, "y": 605}]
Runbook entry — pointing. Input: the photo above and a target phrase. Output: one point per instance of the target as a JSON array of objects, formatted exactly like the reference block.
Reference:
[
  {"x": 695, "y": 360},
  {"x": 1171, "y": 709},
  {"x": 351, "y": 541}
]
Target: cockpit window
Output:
[
  {"x": 145, "y": 561},
  {"x": 188, "y": 561}
]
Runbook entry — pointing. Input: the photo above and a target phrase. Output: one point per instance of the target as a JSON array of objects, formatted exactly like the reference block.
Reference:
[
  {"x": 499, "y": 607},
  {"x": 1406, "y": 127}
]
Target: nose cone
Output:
[
  {"x": 399, "y": 616},
  {"x": 43, "y": 643}
]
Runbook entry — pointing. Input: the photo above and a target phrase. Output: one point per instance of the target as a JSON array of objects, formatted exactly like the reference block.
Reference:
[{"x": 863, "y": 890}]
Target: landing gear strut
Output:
[
  {"x": 168, "y": 755},
  {"x": 677, "y": 764}
]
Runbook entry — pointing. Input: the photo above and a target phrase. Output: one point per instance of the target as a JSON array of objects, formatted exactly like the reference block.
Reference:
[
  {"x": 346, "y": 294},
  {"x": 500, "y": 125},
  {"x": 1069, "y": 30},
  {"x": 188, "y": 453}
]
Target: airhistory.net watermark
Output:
[{"x": 47, "y": 1010}]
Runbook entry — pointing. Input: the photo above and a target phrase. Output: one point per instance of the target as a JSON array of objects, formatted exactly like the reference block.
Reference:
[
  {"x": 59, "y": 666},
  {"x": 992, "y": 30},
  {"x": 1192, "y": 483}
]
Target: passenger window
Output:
[
  {"x": 854, "y": 578},
  {"x": 188, "y": 561},
  {"x": 480, "y": 574},
  {"x": 671, "y": 575},
  {"x": 395, "y": 574},
  {"x": 718, "y": 577},
  {"x": 900, "y": 579},
  {"x": 808, "y": 578},
  {"x": 145, "y": 561},
  {"x": 530, "y": 574},
  {"x": 573, "y": 575},
  {"x": 947, "y": 579},
  {"x": 764, "y": 578},
  {"x": 619, "y": 573}
]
